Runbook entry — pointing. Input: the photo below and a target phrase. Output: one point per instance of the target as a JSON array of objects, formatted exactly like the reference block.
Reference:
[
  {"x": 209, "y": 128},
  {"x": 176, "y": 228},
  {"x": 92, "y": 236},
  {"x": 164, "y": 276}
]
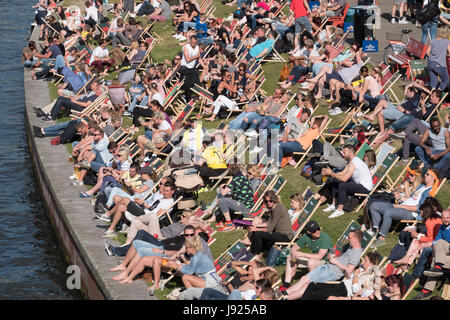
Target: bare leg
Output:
[
  {"x": 144, "y": 262},
  {"x": 128, "y": 257},
  {"x": 380, "y": 106},
  {"x": 190, "y": 281},
  {"x": 133, "y": 263},
  {"x": 297, "y": 290}
]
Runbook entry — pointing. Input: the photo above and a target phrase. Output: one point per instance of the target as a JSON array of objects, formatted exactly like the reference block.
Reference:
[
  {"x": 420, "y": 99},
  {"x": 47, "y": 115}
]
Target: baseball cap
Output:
[{"x": 312, "y": 226}]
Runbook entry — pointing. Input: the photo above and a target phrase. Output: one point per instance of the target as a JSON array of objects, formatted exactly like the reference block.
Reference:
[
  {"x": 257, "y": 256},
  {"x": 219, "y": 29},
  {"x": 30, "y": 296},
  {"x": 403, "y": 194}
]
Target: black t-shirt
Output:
[{"x": 174, "y": 244}]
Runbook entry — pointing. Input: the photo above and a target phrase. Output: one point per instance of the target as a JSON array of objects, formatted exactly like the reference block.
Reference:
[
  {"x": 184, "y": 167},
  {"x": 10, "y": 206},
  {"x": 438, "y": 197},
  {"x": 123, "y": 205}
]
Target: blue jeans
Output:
[
  {"x": 56, "y": 129},
  {"x": 235, "y": 124},
  {"x": 141, "y": 235},
  {"x": 298, "y": 72},
  {"x": 402, "y": 123},
  {"x": 282, "y": 29},
  {"x": 302, "y": 23},
  {"x": 59, "y": 62},
  {"x": 288, "y": 147},
  {"x": 270, "y": 122},
  {"x": 134, "y": 103},
  {"x": 251, "y": 116},
  {"x": 436, "y": 70},
  {"x": 385, "y": 211},
  {"x": 187, "y": 25},
  {"x": 98, "y": 162},
  {"x": 430, "y": 26},
  {"x": 322, "y": 274},
  {"x": 117, "y": 192},
  {"x": 422, "y": 262},
  {"x": 426, "y": 158},
  {"x": 30, "y": 63}
]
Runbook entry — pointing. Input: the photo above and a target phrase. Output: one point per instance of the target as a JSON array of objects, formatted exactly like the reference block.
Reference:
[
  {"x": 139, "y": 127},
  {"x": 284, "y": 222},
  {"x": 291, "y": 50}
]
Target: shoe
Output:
[
  {"x": 329, "y": 208},
  {"x": 74, "y": 177},
  {"x": 378, "y": 243},
  {"x": 38, "y": 132},
  {"x": 403, "y": 21},
  {"x": 175, "y": 35},
  {"x": 256, "y": 150},
  {"x": 201, "y": 190},
  {"x": 336, "y": 213},
  {"x": 127, "y": 113},
  {"x": 182, "y": 38},
  {"x": 311, "y": 155},
  {"x": 322, "y": 164},
  {"x": 252, "y": 134},
  {"x": 108, "y": 249},
  {"x": 77, "y": 183},
  {"x": 130, "y": 217},
  {"x": 109, "y": 234},
  {"x": 38, "y": 111},
  {"x": 227, "y": 227},
  {"x": 405, "y": 161},
  {"x": 174, "y": 294},
  {"x": 422, "y": 295},
  {"x": 101, "y": 208},
  {"x": 398, "y": 135},
  {"x": 219, "y": 225},
  {"x": 47, "y": 118},
  {"x": 393, "y": 21},
  {"x": 335, "y": 111},
  {"x": 104, "y": 217},
  {"x": 434, "y": 272},
  {"x": 292, "y": 163},
  {"x": 124, "y": 228}
]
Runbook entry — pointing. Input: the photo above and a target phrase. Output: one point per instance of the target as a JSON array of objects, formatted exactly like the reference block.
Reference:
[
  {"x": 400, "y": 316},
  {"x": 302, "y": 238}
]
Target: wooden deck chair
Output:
[
  {"x": 87, "y": 85},
  {"x": 277, "y": 186},
  {"x": 166, "y": 212},
  {"x": 118, "y": 134},
  {"x": 339, "y": 21},
  {"x": 382, "y": 152},
  {"x": 204, "y": 94},
  {"x": 342, "y": 242},
  {"x": 388, "y": 80},
  {"x": 302, "y": 219},
  {"x": 103, "y": 27},
  {"x": 151, "y": 42},
  {"x": 226, "y": 257},
  {"x": 436, "y": 109},
  {"x": 408, "y": 284},
  {"x": 272, "y": 55},
  {"x": 414, "y": 49},
  {"x": 117, "y": 95},
  {"x": 303, "y": 154},
  {"x": 93, "y": 107},
  {"x": 324, "y": 22},
  {"x": 171, "y": 95},
  {"x": 377, "y": 178},
  {"x": 362, "y": 150},
  {"x": 418, "y": 68}
]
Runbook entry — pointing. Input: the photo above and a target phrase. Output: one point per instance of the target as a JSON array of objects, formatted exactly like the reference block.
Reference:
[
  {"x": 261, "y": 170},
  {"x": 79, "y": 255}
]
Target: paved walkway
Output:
[{"x": 387, "y": 27}]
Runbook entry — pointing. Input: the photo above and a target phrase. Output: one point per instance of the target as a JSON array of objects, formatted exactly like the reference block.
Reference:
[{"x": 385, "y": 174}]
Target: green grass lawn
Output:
[{"x": 295, "y": 182}]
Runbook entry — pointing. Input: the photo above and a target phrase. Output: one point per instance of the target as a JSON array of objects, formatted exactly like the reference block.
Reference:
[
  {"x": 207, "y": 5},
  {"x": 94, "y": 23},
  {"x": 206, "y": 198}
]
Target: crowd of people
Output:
[{"x": 146, "y": 177}]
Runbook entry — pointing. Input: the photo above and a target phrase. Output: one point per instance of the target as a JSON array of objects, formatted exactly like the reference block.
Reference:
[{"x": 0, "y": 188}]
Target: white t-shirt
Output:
[
  {"x": 158, "y": 97},
  {"x": 99, "y": 52},
  {"x": 414, "y": 199},
  {"x": 192, "y": 52},
  {"x": 92, "y": 13},
  {"x": 164, "y": 126},
  {"x": 362, "y": 175}
]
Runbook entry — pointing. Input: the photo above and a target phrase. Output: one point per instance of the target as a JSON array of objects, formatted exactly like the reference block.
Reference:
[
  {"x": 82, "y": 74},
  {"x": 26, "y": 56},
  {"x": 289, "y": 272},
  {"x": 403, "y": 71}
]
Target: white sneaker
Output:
[
  {"x": 175, "y": 35},
  {"x": 393, "y": 21},
  {"x": 335, "y": 111},
  {"x": 403, "y": 21},
  {"x": 182, "y": 38},
  {"x": 329, "y": 208},
  {"x": 109, "y": 234},
  {"x": 336, "y": 213},
  {"x": 130, "y": 217},
  {"x": 256, "y": 150},
  {"x": 252, "y": 133}
]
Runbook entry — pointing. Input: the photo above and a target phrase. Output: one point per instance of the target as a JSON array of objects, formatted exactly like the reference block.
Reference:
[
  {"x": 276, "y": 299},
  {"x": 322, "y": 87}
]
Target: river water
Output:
[{"x": 32, "y": 265}]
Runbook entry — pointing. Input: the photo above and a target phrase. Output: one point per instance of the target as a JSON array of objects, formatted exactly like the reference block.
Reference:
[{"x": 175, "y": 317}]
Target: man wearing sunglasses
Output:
[
  {"x": 318, "y": 242},
  {"x": 277, "y": 229}
]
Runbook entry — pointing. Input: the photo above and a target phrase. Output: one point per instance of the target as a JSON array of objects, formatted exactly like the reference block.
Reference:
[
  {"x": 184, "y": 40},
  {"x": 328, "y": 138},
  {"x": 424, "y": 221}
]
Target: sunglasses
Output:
[
  {"x": 267, "y": 201},
  {"x": 189, "y": 234}
]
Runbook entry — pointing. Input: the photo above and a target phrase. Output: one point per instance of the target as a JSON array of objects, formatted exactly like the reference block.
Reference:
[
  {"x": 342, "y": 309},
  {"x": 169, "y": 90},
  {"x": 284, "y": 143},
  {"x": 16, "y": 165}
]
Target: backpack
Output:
[
  {"x": 286, "y": 70},
  {"x": 429, "y": 12}
]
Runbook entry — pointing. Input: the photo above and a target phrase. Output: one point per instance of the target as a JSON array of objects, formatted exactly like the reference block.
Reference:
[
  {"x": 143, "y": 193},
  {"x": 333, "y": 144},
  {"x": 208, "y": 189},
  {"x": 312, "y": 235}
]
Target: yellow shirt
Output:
[
  {"x": 134, "y": 182},
  {"x": 213, "y": 157}
]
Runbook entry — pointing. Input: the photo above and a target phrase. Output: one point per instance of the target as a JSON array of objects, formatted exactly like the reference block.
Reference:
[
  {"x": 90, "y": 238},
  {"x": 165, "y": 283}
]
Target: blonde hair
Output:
[
  {"x": 271, "y": 276},
  {"x": 159, "y": 116},
  {"x": 254, "y": 170},
  {"x": 299, "y": 198},
  {"x": 442, "y": 32},
  {"x": 134, "y": 45},
  {"x": 188, "y": 213},
  {"x": 194, "y": 242}
]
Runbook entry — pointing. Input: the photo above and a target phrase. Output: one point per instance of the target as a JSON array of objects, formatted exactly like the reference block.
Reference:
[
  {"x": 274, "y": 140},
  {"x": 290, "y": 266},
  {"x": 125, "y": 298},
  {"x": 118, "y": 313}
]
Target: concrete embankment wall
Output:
[{"x": 71, "y": 216}]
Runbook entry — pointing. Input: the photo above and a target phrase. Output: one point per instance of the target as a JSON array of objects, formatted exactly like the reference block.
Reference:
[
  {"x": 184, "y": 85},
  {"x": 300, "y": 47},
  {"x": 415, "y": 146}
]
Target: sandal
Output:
[{"x": 85, "y": 195}]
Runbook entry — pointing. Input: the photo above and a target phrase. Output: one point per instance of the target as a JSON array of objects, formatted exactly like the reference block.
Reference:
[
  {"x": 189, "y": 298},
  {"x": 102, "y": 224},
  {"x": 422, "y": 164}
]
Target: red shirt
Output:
[{"x": 298, "y": 6}]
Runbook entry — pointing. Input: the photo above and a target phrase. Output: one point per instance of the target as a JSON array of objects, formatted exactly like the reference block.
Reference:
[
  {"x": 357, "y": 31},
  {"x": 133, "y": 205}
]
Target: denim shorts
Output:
[
  {"x": 322, "y": 274},
  {"x": 392, "y": 113},
  {"x": 302, "y": 23},
  {"x": 211, "y": 279},
  {"x": 145, "y": 249}
]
